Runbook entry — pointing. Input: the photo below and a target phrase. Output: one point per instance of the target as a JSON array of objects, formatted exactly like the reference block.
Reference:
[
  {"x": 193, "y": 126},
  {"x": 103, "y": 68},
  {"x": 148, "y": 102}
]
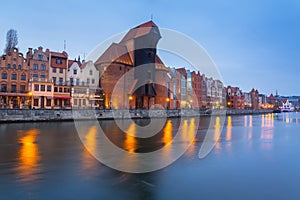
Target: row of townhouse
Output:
[
  {"x": 44, "y": 79},
  {"x": 237, "y": 99}
]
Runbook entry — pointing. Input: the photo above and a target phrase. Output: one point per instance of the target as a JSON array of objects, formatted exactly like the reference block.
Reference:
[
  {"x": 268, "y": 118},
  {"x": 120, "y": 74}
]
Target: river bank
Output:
[{"x": 41, "y": 115}]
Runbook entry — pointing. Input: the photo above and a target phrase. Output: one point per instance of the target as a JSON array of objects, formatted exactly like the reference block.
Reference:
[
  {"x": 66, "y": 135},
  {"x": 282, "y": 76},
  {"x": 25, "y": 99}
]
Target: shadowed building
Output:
[{"x": 135, "y": 55}]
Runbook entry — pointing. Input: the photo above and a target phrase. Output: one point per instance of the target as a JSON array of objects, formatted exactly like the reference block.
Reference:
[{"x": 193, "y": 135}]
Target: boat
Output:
[{"x": 287, "y": 107}]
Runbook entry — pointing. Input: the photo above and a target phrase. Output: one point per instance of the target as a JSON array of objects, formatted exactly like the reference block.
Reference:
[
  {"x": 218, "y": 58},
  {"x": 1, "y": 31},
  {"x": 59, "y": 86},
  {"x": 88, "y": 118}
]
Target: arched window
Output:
[
  {"x": 23, "y": 77},
  {"x": 19, "y": 67},
  {"x": 14, "y": 66},
  {"x": 14, "y": 77},
  {"x": 4, "y": 75}
]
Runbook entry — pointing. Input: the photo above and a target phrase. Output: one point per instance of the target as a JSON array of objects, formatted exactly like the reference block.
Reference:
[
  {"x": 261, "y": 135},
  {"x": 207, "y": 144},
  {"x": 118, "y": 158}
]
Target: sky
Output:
[{"x": 255, "y": 44}]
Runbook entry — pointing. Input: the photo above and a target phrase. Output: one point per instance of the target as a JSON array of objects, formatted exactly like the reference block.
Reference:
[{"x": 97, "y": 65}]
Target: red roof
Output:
[
  {"x": 139, "y": 31},
  {"x": 58, "y": 54},
  {"x": 70, "y": 62},
  {"x": 182, "y": 71},
  {"x": 115, "y": 53}
]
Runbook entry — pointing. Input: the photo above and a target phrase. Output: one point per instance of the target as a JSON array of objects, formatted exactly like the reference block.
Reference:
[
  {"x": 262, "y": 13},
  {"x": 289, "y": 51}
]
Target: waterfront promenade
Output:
[{"x": 36, "y": 115}]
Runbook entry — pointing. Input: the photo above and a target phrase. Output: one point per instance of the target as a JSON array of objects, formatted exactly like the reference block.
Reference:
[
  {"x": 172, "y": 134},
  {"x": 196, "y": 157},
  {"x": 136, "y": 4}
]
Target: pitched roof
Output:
[
  {"x": 115, "y": 53},
  {"x": 70, "y": 62},
  {"x": 58, "y": 54},
  {"x": 139, "y": 31}
]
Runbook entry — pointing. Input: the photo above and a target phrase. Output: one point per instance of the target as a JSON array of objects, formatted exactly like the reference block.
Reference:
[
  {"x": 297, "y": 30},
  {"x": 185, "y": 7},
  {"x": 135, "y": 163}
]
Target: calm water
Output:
[{"x": 256, "y": 157}]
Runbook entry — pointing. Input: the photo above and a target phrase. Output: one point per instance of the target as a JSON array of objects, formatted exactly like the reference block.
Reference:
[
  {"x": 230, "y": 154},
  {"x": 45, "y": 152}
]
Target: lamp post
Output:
[{"x": 168, "y": 102}]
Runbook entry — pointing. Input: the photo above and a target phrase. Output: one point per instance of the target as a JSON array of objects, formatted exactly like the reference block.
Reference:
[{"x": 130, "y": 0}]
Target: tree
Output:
[{"x": 11, "y": 40}]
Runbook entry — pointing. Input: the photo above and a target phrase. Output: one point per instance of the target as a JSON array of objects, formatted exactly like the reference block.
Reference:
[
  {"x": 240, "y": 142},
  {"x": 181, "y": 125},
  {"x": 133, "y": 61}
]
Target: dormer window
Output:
[
  {"x": 74, "y": 71},
  {"x": 40, "y": 57},
  {"x": 58, "y": 61}
]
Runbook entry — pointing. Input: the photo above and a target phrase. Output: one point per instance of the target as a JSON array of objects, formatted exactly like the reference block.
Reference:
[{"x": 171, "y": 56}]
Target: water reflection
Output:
[
  {"x": 130, "y": 142},
  {"x": 267, "y": 131},
  {"x": 88, "y": 161},
  {"x": 217, "y": 133},
  {"x": 29, "y": 157},
  {"x": 167, "y": 138}
]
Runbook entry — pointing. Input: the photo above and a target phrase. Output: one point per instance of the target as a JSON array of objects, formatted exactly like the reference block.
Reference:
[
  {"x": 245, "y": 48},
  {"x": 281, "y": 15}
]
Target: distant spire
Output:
[
  {"x": 151, "y": 17},
  {"x": 65, "y": 45},
  {"x": 276, "y": 92}
]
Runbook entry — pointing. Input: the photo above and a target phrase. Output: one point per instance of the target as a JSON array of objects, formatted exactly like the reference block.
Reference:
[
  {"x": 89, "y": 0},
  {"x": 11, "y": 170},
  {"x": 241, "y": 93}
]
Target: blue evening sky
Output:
[{"x": 254, "y": 43}]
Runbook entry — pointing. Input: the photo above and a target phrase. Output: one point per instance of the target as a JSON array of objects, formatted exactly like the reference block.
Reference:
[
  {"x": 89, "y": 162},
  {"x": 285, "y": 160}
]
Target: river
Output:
[{"x": 255, "y": 157}]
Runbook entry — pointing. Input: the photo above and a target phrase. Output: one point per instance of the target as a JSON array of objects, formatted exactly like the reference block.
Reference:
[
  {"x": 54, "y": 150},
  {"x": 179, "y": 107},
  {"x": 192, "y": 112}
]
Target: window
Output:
[
  {"x": 54, "y": 80},
  {"x": 66, "y": 90},
  {"x": 4, "y": 75},
  {"x": 75, "y": 101},
  {"x": 55, "y": 89},
  {"x": 58, "y": 61},
  {"x": 43, "y": 76},
  {"x": 71, "y": 81},
  {"x": 48, "y": 88},
  {"x": 43, "y": 88},
  {"x": 23, "y": 77},
  {"x": 35, "y": 77},
  {"x": 60, "y": 89},
  {"x": 77, "y": 81},
  {"x": 14, "y": 66},
  {"x": 22, "y": 88},
  {"x": 8, "y": 66},
  {"x": 48, "y": 102},
  {"x": 54, "y": 70},
  {"x": 35, "y": 67},
  {"x": 14, "y": 77},
  {"x": 35, "y": 102},
  {"x": 14, "y": 59},
  {"x": 60, "y": 81},
  {"x": 83, "y": 102},
  {"x": 43, "y": 67},
  {"x": 87, "y": 81},
  {"x": 3, "y": 87},
  {"x": 13, "y": 88},
  {"x": 61, "y": 70},
  {"x": 75, "y": 71},
  {"x": 91, "y": 72},
  {"x": 36, "y": 87},
  {"x": 93, "y": 81},
  {"x": 19, "y": 67},
  {"x": 40, "y": 57}
]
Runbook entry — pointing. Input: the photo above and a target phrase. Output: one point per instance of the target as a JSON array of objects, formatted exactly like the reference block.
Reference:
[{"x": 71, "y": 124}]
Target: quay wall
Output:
[{"x": 24, "y": 115}]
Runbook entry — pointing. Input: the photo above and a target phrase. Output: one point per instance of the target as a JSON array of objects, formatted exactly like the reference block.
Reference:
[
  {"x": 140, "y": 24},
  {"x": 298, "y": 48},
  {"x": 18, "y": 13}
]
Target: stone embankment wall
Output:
[{"x": 19, "y": 115}]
